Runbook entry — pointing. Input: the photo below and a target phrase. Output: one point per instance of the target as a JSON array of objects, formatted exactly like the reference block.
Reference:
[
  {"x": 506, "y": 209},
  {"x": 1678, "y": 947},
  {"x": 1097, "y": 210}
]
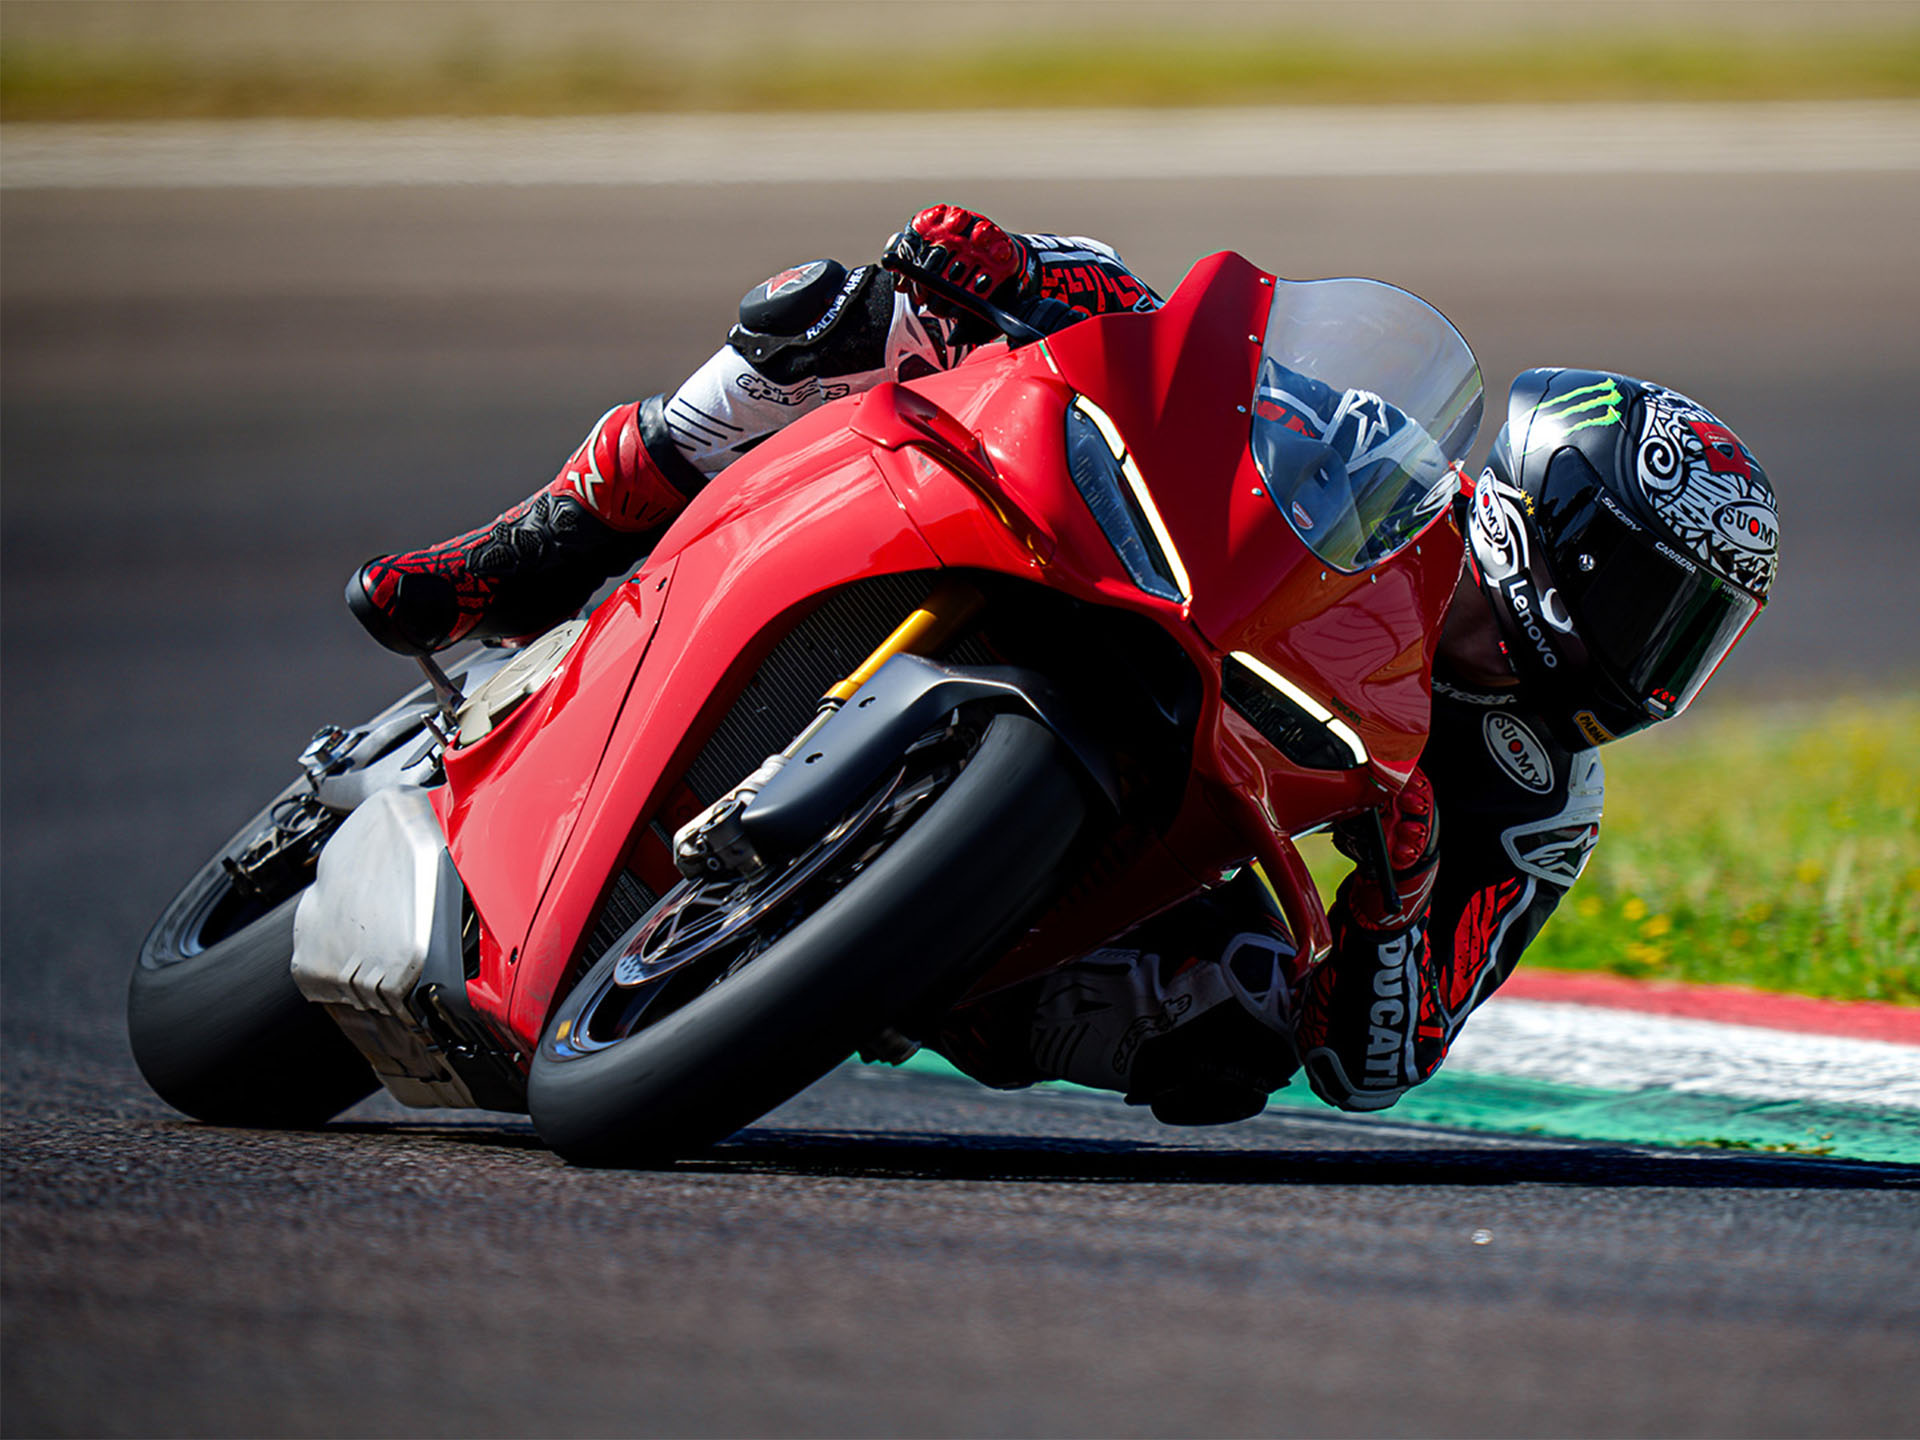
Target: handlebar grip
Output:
[{"x": 1016, "y": 330}]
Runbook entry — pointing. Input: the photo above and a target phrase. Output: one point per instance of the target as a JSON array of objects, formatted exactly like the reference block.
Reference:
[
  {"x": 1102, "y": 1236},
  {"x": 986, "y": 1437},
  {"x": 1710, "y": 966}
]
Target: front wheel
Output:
[{"x": 731, "y": 997}]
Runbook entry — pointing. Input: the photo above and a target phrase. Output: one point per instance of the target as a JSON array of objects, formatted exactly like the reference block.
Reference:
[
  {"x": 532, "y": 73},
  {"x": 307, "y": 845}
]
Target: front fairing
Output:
[
  {"x": 546, "y": 810},
  {"x": 1178, "y": 384}
]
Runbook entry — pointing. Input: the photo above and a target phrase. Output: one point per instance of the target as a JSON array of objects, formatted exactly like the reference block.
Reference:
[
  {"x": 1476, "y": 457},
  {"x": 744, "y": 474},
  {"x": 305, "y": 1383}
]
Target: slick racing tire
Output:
[
  {"x": 730, "y": 998},
  {"x": 218, "y": 1028}
]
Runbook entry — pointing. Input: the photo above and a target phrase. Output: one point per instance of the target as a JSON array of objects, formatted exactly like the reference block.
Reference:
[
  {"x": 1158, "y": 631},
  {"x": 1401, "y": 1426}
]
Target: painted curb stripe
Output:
[
  {"x": 1855, "y": 1019},
  {"x": 1606, "y": 1049},
  {"x": 1820, "y": 137},
  {"x": 1508, "y": 1106}
]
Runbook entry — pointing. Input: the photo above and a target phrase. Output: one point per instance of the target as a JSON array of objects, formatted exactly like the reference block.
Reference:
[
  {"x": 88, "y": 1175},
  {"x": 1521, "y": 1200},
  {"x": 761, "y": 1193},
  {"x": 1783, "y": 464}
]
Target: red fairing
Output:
[
  {"x": 1362, "y": 644},
  {"x": 966, "y": 469},
  {"x": 512, "y": 799},
  {"x": 539, "y": 838}
]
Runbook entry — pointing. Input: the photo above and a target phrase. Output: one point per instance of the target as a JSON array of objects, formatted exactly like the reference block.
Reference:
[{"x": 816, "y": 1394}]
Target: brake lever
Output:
[
  {"x": 1017, "y": 331},
  {"x": 1378, "y": 860}
]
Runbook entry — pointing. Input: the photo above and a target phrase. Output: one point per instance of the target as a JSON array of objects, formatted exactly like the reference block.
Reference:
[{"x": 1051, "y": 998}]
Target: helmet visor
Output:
[{"x": 1659, "y": 623}]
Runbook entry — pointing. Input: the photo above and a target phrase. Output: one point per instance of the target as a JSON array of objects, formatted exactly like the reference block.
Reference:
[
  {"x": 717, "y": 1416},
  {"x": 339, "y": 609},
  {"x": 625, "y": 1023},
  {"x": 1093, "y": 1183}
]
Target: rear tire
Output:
[
  {"x": 916, "y": 921},
  {"x": 217, "y": 1025}
]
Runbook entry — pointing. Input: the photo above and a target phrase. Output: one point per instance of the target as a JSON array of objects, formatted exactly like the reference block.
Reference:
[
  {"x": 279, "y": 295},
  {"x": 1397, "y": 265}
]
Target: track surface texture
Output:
[{"x": 215, "y": 404}]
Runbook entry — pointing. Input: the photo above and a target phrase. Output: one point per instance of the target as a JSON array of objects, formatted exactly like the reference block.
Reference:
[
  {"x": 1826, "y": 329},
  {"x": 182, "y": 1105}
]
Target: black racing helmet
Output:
[{"x": 1625, "y": 539}]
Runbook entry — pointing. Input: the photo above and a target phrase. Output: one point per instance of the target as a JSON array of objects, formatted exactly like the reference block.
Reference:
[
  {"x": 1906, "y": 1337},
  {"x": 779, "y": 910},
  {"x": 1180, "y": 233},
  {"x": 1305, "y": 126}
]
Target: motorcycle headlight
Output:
[
  {"x": 1111, "y": 484},
  {"x": 1300, "y": 727}
]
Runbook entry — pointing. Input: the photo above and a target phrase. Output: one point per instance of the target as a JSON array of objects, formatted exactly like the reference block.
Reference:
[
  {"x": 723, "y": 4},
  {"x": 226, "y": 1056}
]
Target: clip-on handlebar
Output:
[
  {"x": 1378, "y": 861},
  {"x": 1017, "y": 331}
]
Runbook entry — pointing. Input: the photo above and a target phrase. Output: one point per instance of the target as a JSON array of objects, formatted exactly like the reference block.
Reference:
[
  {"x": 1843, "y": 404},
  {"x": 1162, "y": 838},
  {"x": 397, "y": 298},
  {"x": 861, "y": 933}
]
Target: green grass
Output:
[
  {"x": 1770, "y": 846},
  {"x": 44, "y": 82}
]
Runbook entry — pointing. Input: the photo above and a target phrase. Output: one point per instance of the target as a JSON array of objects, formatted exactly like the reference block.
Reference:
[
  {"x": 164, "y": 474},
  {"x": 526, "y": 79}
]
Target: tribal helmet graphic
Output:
[{"x": 1625, "y": 538}]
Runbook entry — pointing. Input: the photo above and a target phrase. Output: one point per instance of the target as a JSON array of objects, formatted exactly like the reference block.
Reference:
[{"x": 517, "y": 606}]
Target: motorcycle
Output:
[{"x": 942, "y": 686}]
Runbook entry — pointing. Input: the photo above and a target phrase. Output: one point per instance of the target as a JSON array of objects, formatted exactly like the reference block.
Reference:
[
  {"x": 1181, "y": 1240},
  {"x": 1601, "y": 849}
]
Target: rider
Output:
[{"x": 1619, "y": 540}]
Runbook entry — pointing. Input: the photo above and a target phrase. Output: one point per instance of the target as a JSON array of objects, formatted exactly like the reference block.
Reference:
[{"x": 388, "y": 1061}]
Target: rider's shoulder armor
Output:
[
  {"x": 1515, "y": 800},
  {"x": 817, "y": 319}
]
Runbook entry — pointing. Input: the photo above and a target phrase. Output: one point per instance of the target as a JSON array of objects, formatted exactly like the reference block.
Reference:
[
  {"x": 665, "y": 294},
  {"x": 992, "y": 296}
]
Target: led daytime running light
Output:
[
  {"x": 1138, "y": 485},
  {"x": 1339, "y": 728}
]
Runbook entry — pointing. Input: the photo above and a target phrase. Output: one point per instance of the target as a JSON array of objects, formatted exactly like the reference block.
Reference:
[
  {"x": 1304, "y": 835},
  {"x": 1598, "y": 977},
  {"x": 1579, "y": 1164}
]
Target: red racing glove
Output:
[
  {"x": 1412, "y": 824},
  {"x": 967, "y": 250}
]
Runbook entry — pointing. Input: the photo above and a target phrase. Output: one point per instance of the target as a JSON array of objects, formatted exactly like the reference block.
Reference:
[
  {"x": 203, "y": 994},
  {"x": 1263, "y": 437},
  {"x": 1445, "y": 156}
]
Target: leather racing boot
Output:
[{"x": 538, "y": 563}]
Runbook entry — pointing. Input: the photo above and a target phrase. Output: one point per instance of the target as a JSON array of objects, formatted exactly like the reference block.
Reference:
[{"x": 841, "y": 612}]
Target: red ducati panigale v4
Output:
[{"x": 942, "y": 686}]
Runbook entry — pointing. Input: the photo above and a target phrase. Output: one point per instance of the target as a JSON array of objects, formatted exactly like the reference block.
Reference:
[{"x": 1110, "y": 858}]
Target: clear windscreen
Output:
[{"x": 1366, "y": 400}]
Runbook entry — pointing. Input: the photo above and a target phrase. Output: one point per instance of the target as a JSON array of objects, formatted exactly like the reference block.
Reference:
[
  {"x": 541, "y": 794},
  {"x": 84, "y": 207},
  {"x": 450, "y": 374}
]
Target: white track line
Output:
[
  {"x": 1627, "y": 1050},
  {"x": 1783, "y": 138}
]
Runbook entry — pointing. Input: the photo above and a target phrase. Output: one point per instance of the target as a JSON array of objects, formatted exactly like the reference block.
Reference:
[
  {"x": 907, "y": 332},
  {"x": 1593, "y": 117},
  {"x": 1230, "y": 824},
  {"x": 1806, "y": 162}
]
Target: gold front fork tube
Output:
[
  {"x": 939, "y": 618},
  {"x": 711, "y": 842}
]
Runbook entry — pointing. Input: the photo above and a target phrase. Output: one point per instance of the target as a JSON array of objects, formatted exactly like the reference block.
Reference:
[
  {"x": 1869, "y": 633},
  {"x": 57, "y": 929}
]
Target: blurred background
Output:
[
  {"x": 77, "y": 59},
  {"x": 220, "y": 390}
]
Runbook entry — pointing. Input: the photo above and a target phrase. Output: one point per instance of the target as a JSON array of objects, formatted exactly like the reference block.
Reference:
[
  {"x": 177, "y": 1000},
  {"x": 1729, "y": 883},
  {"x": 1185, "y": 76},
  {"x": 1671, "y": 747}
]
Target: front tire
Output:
[
  {"x": 916, "y": 920},
  {"x": 217, "y": 1025}
]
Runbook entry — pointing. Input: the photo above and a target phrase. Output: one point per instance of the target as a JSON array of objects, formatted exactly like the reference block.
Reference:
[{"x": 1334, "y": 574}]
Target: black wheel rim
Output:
[
  {"x": 228, "y": 903},
  {"x": 702, "y": 933}
]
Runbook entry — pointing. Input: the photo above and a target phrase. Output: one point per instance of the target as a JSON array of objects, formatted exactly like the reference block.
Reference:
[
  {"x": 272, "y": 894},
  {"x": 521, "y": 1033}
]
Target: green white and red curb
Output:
[{"x": 1598, "y": 1057}]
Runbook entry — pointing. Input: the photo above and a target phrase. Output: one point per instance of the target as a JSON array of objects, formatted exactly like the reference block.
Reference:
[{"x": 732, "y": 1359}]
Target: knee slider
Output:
[
  {"x": 1218, "y": 1069},
  {"x": 787, "y": 303},
  {"x": 815, "y": 319}
]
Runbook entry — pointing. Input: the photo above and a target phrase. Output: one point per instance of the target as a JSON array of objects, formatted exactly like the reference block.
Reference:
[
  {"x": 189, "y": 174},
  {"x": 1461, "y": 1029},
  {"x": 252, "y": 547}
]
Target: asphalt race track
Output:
[{"x": 216, "y": 403}]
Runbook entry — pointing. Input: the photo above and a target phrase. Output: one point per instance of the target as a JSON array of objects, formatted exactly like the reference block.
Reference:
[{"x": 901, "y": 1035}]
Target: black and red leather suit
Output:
[{"x": 1204, "y": 1010}]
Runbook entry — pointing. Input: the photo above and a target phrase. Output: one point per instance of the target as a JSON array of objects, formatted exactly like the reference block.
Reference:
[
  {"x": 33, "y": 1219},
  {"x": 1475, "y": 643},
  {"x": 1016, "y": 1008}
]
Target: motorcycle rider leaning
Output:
[{"x": 1620, "y": 540}]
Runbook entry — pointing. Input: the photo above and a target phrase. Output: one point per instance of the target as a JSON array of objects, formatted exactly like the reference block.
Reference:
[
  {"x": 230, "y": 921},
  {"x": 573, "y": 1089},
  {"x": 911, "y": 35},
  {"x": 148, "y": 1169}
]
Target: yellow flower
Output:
[
  {"x": 1589, "y": 907},
  {"x": 1645, "y": 957},
  {"x": 1808, "y": 871},
  {"x": 1656, "y": 927},
  {"x": 1635, "y": 908}
]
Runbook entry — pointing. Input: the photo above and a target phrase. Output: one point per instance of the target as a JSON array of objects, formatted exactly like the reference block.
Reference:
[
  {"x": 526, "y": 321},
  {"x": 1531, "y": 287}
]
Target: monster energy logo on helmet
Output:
[{"x": 1602, "y": 396}]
